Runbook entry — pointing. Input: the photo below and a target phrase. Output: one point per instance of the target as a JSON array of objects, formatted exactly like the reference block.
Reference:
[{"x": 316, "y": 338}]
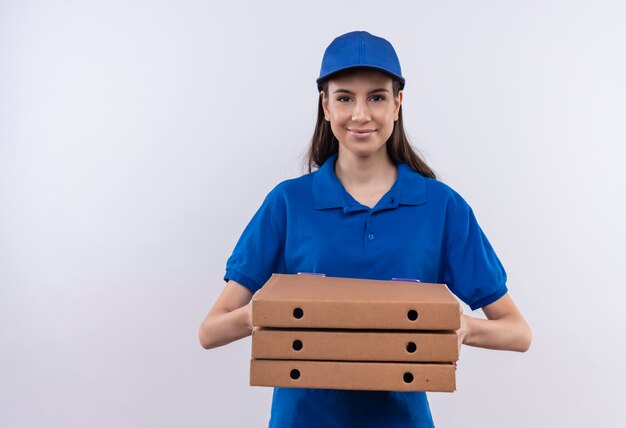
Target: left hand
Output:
[{"x": 462, "y": 331}]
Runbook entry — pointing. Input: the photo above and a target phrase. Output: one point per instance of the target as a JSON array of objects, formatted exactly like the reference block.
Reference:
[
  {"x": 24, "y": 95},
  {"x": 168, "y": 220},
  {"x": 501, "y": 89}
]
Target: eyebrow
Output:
[{"x": 346, "y": 91}]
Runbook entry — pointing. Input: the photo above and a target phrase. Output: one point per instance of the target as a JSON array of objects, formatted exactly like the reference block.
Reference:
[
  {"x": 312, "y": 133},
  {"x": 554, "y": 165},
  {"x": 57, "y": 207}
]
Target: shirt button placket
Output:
[{"x": 369, "y": 233}]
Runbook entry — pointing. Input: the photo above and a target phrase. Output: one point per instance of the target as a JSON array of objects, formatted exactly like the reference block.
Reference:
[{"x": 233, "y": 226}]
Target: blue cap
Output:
[{"x": 360, "y": 49}]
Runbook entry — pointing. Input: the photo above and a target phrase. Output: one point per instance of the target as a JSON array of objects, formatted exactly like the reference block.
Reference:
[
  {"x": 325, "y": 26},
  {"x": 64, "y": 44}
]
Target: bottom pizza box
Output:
[{"x": 373, "y": 376}]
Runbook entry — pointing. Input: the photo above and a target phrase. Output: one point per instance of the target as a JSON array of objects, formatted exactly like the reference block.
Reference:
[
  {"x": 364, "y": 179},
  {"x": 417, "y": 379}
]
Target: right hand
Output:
[
  {"x": 248, "y": 309},
  {"x": 229, "y": 319}
]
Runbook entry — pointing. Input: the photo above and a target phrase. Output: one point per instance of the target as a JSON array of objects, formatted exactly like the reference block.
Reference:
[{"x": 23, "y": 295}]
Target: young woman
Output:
[{"x": 372, "y": 209}]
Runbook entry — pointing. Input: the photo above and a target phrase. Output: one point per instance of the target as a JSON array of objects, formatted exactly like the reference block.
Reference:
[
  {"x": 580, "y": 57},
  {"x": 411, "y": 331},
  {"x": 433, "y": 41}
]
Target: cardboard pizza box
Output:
[
  {"x": 355, "y": 345},
  {"x": 373, "y": 376},
  {"x": 308, "y": 301}
]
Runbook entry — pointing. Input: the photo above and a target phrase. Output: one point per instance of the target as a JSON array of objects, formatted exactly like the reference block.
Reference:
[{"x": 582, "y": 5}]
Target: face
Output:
[{"x": 361, "y": 109}]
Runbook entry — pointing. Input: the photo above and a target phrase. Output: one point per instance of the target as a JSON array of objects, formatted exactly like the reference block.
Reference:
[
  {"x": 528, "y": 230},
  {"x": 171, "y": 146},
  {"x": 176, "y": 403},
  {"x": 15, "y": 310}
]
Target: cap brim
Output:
[{"x": 373, "y": 67}]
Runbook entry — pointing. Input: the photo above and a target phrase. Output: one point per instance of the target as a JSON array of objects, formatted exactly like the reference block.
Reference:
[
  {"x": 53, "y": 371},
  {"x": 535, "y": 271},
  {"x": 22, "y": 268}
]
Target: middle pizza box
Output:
[{"x": 354, "y": 345}]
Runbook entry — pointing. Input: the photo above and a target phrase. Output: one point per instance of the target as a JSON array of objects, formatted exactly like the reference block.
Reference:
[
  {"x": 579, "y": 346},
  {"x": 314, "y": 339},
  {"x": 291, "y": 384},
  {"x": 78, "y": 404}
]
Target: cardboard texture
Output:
[
  {"x": 354, "y": 345},
  {"x": 307, "y": 301},
  {"x": 355, "y": 334},
  {"x": 353, "y": 375}
]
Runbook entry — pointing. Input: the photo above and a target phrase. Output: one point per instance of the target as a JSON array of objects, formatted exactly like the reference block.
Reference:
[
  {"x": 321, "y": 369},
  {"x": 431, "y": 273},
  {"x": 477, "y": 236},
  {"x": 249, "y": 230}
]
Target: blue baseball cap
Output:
[{"x": 360, "y": 49}]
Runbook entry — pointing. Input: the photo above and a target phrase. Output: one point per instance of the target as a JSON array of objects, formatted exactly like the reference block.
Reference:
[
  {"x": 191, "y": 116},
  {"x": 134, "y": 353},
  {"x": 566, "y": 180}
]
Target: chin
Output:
[{"x": 364, "y": 152}]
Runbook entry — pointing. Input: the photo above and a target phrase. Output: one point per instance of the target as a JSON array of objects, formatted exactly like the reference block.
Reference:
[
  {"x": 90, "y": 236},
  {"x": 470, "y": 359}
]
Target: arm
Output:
[
  {"x": 505, "y": 328},
  {"x": 229, "y": 319}
]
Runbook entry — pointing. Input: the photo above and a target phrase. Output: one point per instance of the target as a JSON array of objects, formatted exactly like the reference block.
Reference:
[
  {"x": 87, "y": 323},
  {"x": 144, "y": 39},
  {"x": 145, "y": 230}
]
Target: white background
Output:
[{"x": 137, "y": 138}]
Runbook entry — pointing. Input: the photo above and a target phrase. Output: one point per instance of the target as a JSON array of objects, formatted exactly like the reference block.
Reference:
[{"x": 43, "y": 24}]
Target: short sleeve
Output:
[
  {"x": 471, "y": 268},
  {"x": 258, "y": 252}
]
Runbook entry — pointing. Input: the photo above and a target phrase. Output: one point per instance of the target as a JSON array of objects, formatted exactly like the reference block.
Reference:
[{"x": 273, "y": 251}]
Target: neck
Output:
[{"x": 376, "y": 170}]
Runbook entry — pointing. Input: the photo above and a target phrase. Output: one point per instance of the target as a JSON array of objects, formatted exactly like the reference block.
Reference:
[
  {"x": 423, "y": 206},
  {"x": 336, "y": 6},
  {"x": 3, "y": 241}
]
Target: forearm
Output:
[
  {"x": 223, "y": 327},
  {"x": 510, "y": 334}
]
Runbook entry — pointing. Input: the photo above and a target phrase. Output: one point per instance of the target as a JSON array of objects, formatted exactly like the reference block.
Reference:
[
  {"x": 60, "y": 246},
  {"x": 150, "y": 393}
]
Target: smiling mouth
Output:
[{"x": 361, "y": 133}]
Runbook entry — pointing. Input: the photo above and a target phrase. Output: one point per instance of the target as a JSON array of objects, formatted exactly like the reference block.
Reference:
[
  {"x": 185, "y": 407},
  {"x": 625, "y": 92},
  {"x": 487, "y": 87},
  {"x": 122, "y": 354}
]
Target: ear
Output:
[
  {"x": 398, "y": 103},
  {"x": 325, "y": 106}
]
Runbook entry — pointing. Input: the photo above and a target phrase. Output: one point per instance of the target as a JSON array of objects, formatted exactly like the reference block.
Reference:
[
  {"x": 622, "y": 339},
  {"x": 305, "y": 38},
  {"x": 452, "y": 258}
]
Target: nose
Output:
[{"x": 361, "y": 112}]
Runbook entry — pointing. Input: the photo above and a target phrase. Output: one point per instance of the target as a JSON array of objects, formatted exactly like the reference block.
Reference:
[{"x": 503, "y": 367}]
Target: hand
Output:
[
  {"x": 462, "y": 331},
  {"x": 248, "y": 309},
  {"x": 505, "y": 328},
  {"x": 229, "y": 319}
]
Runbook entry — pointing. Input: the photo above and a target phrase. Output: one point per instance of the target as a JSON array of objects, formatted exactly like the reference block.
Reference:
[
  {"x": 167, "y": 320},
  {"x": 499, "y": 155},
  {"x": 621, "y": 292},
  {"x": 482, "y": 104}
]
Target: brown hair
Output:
[{"x": 324, "y": 144}]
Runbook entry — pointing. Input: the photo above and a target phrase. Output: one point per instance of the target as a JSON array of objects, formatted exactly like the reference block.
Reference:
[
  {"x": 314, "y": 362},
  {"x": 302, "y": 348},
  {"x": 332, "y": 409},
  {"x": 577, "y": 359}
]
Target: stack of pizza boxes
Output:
[{"x": 313, "y": 331}]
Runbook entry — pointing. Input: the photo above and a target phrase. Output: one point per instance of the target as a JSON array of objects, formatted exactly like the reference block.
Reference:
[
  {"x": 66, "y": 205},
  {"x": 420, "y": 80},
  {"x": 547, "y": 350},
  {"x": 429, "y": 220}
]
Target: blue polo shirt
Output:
[{"x": 419, "y": 229}]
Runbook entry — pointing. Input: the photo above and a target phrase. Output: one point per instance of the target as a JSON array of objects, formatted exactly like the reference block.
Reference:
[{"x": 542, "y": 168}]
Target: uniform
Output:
[{"x": 419, "y": 229}]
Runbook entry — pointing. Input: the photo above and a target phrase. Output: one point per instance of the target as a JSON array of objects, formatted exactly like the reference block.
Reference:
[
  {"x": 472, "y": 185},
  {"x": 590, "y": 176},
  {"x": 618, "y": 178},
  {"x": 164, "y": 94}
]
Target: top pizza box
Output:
[{"x": 311, "y": 301}]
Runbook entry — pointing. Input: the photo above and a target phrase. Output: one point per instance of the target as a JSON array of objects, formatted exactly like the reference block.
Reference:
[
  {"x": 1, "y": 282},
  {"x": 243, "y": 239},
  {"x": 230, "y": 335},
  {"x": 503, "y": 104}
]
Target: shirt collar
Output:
[{"x": 328, "y": 192}]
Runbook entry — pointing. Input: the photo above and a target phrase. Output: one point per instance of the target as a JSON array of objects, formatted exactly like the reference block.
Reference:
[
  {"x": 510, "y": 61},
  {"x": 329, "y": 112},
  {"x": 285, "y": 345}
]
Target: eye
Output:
[
  {"x": 378, "y": 98},
  {"x": 343, "y": 99}
]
